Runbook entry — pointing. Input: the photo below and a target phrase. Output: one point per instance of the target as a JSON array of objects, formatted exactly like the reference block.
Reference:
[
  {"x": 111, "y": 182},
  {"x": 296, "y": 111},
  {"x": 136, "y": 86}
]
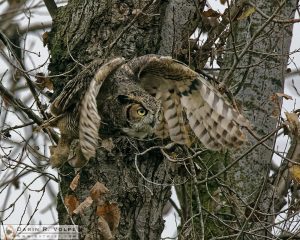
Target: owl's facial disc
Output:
[
  {"x": 140, "y": 121},
  {"x": 139, "y": 114}
]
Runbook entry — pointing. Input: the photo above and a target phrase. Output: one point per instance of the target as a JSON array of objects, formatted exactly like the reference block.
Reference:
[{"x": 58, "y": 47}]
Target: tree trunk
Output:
[
  {"x": 83, "y": 31},
  {"x": 259, "y": 74},
  {"x": 237, "y": 199}
]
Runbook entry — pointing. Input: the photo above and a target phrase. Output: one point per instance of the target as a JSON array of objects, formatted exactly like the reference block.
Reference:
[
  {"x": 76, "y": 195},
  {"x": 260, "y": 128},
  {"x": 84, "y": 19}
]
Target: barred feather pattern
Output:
[
  {"x": 180, "y": 89},
  {"x": 89, "y": 120},
  {"x": 161, "y": 127},
  {"x": 173, "y": 114},
  {"x": 211, "y": 118},
  {"x": 70, "y": 95},
  {"x": 186, "y": 99}
]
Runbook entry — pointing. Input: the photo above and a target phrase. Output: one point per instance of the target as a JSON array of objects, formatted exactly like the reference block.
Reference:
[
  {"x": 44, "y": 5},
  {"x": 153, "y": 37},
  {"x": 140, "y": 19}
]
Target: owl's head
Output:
[{"x": 141, "y": 114}]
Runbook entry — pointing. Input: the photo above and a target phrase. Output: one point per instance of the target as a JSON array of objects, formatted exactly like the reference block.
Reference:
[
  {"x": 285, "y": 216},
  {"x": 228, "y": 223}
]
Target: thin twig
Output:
[
  {"x": 16, "y": 127},
  {"x": 292, "y": 21},
  {"x": 226, "y": 80},
  {"x": 125, "y": 29},
  {"x": 18, "y": 104},
  {"x": 215, "y": 33}
]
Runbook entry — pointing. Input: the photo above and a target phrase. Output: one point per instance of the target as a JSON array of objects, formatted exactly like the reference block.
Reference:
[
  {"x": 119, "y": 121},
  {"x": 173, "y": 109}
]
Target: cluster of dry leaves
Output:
[
  {"x": 292, "y": 128},
  {"x": 107, "y": 213}
]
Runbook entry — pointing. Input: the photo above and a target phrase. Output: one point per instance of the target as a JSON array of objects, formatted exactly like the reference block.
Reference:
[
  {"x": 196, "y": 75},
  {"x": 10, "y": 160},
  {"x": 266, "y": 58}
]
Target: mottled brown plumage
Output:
[
  {"x": 76, "y": 116},
  {"x": 151, "y": 94},
  {"x": 184, "y": 92}
]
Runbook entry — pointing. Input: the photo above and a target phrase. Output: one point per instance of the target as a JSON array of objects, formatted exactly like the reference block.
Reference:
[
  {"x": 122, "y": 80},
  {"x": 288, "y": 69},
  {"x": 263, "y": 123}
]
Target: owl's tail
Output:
[{"x": 89, "y": 120}]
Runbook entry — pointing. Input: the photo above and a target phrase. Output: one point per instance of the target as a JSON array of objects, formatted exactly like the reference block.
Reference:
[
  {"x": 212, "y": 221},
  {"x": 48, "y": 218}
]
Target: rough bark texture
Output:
[
  {"x": 241, "y": 195},
  {"x": 83, "y": 31},
  {"x": 254, "y": 87}
]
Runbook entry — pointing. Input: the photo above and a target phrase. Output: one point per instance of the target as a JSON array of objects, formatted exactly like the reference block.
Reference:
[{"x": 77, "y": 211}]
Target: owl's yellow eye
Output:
[
  {"x": 135, "y": 112},
  {"x": 141, "y": 111}
]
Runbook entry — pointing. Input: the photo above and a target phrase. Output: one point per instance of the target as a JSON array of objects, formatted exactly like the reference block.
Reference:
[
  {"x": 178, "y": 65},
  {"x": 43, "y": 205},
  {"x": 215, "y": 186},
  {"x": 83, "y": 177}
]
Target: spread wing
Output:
[
  {"x": 187, "y": 95},
  {"x": 89, "y": 120},
  {"x": 81, "y": 92}
]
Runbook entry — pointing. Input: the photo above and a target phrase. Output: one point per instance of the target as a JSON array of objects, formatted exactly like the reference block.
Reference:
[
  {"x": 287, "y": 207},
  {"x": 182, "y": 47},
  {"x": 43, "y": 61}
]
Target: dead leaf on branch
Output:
[
  {"x": 45, "y": 38},
  {"x": 104, "y": 229},
  {"x": 97, "y": 191},
  {"x": 295, "y": 173},
  {"x": 71, "y": 203},
  {"x": 75, "y": 182},
  {"x": 275, "y": 113},
  {"x": 285, "y": 96},
  {"x": 111, "y": 213},
  {"x": 43, "y": 81},
  {"x": 293, "y": 123},
  {"x": 247, "y": 13},
  {"x": 211, "y": 13},
  {"x": 275, "y": 98},
  {"x": 85, "y": 204}
]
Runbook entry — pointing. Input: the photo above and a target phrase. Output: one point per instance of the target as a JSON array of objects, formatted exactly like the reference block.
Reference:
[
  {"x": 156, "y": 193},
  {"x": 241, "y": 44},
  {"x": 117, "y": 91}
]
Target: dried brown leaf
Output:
[
  {"x": 111, "y": 213},
  {"x": 104, "y": 229},
  {"x": 211, "y": 13},
  {"x": 43, "y": 81},
  {"x": 292, "y": 118},
  {"x": 85, "y": 204},
  {"x": 285, "y": 96},
  {"x": 295, "y": 173},
  {"x": 248, "y": 12},
  {"x": 45, "y": 38},
  {"x": 275, "y": 113},
  {"x": 274, "y": 98},
  {"x": 75, "y": 182},
  {"x": 293, "y": 122},
  {"x": 6, "y": 101},
  {"x": 97, "y": 191},
  {"x": 71, "y": 203}
]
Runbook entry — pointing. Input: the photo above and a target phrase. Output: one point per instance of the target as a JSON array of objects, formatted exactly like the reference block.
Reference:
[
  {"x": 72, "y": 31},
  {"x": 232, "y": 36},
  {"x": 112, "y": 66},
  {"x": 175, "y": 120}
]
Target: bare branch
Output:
[
  {"x": 18, "y": 104},
  {"x": 52, "y": 7}
]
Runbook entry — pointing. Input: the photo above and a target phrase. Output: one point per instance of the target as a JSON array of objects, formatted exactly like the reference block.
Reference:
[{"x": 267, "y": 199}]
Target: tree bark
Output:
[
  {"x": 259, "y": 74},
  {"x": 237, "y": 199},
  {"x": 83, "y": 31}
]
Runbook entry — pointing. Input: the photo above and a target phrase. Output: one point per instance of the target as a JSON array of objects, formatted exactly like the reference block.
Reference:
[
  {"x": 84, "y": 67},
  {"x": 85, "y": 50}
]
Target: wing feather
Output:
[
  {"x": 89, "y": 121},
  {"x": 210, "y": 116},
  {"x": 161, "y": 128},
  {"x": 173, "y": 114}
]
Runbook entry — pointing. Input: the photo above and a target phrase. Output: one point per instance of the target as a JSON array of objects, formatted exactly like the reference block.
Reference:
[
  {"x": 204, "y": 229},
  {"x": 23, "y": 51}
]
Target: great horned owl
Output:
[{"x": 148, "y": 95}]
